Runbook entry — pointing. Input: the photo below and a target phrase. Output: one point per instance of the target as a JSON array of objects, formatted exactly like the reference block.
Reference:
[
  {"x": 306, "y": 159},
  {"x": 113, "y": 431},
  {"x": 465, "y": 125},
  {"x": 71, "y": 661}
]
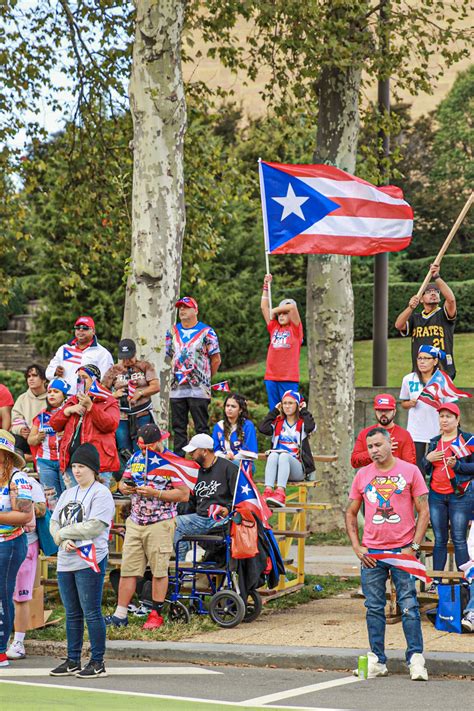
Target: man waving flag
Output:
[{"x": 319, "y": 209}]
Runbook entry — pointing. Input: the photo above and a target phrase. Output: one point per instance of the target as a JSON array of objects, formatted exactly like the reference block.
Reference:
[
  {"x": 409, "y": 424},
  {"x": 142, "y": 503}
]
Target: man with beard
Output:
[
  {"x": 211, "y": 500},
  {"x": 403, "y": 447}
]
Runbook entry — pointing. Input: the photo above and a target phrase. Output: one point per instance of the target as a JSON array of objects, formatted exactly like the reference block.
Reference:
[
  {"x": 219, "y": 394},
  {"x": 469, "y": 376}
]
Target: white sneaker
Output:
[
  {"x": 375, "y": 668},
  {"x": 418, "y": 670},
  {"x": 16, "y": 650},
  {"x": 467, "y": 622}
]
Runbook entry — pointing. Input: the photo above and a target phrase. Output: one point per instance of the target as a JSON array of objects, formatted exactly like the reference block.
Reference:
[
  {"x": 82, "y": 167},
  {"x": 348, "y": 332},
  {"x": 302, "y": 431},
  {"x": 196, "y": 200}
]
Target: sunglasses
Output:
[{"x": 82, "y": 328}]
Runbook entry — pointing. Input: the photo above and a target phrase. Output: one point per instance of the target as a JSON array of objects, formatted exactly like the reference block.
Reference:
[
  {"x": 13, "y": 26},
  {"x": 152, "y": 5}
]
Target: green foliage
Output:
[
  {"x": 399, "y": 294},
  {"x": 454, "y": 267},
  {"x": 14, "y": 381}
]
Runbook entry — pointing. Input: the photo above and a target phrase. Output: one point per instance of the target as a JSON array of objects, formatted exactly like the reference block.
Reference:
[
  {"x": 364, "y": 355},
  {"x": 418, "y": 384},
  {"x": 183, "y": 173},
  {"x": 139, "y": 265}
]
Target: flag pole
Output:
[
  {"x": 447, "y": 242},
  {"x": 265, "y": 231}
]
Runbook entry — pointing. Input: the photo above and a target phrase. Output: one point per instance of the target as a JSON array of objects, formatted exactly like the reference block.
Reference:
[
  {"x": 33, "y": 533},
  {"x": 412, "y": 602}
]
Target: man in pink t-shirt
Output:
[
  {"x": 391, "y": 489},
  {"x": 286, "y": 336}
]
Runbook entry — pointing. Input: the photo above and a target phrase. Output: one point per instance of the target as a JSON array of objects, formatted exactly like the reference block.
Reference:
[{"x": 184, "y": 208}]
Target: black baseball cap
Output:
[
  {"x": 151, "y": 433},
  {"x": 127, "y": 348},
  {"x": 431, "y": 287}
]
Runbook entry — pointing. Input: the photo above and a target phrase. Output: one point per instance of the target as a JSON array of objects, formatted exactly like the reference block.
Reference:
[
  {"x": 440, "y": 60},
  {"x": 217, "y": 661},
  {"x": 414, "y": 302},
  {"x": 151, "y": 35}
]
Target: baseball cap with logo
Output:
[
  {"x": 187, "y": 301},
  {"x": 151, "y": 433},
  {"x": 126, "y": 348},
  {"x": 85, "y": 321},
  {"x": 385, "y": 402}
]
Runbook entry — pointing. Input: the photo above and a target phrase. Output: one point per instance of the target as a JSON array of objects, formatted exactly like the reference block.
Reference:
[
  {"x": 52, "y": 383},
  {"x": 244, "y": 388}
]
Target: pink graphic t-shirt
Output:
[{"x": 389, "y": 507}]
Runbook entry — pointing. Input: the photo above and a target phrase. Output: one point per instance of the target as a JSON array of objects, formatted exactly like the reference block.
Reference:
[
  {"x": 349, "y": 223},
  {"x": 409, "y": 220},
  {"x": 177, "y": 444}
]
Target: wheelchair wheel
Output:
[
  {"x": 177, "y": 612},
  {"x": 253, "y": 607},
  {"x": 226, "y": 608}
]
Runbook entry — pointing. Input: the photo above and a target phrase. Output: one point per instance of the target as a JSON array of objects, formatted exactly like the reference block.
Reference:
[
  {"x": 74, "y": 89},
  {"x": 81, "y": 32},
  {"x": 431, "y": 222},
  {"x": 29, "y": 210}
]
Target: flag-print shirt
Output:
[
  {"x": 190, "y": 351},
  {"x": 144, "y": 470},
  {"x": 70, "y": 357},
  {"x": 78, "y": 505},
  {"x": 49, "y": 447},
  {"x": 247, "y": 447},
  {"x": 20, "y": 480},
  {"x": 290, "y": 439}
]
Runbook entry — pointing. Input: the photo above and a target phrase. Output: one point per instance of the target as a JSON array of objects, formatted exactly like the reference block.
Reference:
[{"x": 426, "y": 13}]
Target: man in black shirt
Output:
[
  {"x": 434, "y": 326},
  {"x": 211, "y": 500}
]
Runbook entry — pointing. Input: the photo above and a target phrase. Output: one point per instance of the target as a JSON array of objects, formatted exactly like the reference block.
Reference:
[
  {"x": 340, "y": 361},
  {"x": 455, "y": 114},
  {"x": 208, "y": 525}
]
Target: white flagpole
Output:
[{"x": 265, "y": 230}]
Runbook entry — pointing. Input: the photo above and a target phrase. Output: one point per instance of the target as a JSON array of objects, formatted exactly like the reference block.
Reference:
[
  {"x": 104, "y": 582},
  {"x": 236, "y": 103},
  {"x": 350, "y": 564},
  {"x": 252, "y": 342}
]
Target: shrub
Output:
[{"x": 454, "y": 267}]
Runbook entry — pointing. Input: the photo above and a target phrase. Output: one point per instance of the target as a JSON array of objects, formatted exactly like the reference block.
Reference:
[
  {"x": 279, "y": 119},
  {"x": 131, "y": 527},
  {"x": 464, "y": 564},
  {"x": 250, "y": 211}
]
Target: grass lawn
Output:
[
  {"x": 46, "y": 698},
  {"x": 399, "y": 362}
]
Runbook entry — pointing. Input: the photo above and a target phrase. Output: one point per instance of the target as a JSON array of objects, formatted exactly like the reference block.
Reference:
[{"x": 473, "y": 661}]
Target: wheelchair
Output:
[{"x": 221, "y": 599}]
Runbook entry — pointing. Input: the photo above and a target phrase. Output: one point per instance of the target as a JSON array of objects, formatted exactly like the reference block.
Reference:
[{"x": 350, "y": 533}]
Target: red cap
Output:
[
  {"x": 85, "y": 321},
  {"x": 385, "y": 402},
  {"x": 450, "y": 407},
  {"x": 187, "y": 301}
]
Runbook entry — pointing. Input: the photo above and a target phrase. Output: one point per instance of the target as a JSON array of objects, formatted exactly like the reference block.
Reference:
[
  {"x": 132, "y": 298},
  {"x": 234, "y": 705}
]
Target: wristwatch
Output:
[{"x": 416, "y": 549}]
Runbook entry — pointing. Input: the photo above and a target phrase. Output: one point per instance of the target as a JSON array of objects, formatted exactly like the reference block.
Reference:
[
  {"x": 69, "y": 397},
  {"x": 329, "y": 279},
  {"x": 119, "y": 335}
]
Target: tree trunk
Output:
[
  {"x": 330, "y": 305},
  {"x": 158, "y": 109}
]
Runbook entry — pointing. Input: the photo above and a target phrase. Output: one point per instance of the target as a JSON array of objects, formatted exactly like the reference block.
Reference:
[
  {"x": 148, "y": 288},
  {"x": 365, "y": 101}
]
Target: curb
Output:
[{"x": 321, "y": 658}]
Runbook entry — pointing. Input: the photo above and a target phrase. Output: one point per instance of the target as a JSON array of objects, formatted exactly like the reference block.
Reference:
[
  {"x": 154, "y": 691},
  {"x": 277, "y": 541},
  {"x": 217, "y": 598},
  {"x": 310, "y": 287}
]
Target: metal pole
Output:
[{"x": 380, "y": 328}]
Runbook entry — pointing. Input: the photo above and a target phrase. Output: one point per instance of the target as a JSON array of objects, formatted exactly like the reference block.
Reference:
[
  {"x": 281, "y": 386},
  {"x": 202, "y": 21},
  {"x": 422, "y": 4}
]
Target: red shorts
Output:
[{"x": 25, "y": 580}]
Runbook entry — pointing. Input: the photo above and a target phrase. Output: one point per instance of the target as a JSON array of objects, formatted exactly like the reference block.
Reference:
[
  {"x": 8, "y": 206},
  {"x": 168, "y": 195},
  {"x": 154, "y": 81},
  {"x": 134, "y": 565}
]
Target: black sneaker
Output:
[
  {"x": 91, "y": 670},
  {"x": 67, "y": 668}
]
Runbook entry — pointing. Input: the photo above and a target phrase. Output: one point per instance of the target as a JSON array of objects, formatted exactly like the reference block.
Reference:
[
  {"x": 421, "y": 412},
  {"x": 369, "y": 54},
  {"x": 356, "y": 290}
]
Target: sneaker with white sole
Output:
[
  {"x": 375, "y": 668},
  {"x": 92, "y": 670},
  {"x": 68, "y": 668},
  {"x": 16, "y": 650},
  {"x": 467, "y": 621},
  {"x": 418, "y": 670}
]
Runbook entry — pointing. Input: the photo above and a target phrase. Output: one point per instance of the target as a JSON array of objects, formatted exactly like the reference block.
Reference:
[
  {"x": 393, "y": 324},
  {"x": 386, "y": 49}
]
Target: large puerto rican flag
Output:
[{"x": 319, "y": 209}]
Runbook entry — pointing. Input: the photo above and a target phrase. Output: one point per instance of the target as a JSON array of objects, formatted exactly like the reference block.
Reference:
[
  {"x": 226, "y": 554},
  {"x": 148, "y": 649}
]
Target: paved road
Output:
[{"x": 250, "y": 687}]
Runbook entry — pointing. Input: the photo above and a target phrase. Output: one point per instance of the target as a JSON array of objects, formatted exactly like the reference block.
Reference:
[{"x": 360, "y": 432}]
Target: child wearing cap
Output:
[
  {"x": 286, "y": 336},
  {"x": 44, "y": 440},
  {"x": 290, "y": 459},
  {"x": 449, "y": 464}
]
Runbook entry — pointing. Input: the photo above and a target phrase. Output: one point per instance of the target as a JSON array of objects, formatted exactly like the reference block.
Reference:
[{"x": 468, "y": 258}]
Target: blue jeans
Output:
[
  {"x": 81, "y": 593},
  {"x": 448, "y": 511},
  {"x": 282, "y": 467},
  {"x": 50, "y": 476},
  {"x": 373, "y": 586},
  {"x": 190, "y": 525},
  {"x": 276, "y": 389},
  {"x": 12, "y": 555},
  {"x": 122, "y": 433}
]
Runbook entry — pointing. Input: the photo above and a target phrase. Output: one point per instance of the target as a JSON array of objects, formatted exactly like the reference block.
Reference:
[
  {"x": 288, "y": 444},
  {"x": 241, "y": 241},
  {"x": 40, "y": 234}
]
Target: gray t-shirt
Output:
[{"x": 77, "y": 505}]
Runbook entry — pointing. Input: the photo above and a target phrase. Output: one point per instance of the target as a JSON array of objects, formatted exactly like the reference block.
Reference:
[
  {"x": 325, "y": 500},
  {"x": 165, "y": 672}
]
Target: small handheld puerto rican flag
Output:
[
  {"x": 71, "y": 354},
  {"x": 86, "y": 551},
  {"x": 98, "y": 392},
  {"x": 222, "y": 387},
  {"x": 407, "y": 563},
  {"x": 215, "y": 511}
]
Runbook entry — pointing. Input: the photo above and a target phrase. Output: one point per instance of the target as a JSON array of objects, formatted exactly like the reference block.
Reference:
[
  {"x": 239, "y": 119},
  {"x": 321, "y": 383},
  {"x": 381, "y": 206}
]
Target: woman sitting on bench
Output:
[
  {"x": 235, "y": 437},
  {"x": 290, "y": 458}
]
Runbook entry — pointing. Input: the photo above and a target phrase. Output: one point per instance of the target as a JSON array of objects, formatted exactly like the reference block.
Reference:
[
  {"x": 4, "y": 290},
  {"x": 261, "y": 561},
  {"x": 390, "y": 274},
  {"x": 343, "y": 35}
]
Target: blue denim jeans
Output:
[
  {"x": 81, "y": 593},
  {"x": 122, "y": 433},
  {"x": 373, "y": 586},
  {"x": 12, "y": 555},
  {"x": 448, "y": 511},
  {"x": 276, "y": 389},
  {"x": 50, "y": 476},
  {"x": 190, "y": 525},
  {"x": 282, "y": 467}
]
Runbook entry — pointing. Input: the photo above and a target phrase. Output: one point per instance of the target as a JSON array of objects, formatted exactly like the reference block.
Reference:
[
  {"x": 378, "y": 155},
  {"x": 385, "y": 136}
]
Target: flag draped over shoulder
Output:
[
  {"x": 179, "y": 470},
  {"x": 440, "y": 388},
  {"x": 405, "y": 562},
  {"x": 319, "y": 209},
  {"x": 247, "y": 496}
]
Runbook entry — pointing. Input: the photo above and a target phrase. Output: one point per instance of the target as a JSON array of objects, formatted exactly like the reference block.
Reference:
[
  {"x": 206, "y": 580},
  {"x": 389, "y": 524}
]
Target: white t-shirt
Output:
[
  {"x": 77, "y": 505},
  {"x": 423, "y": 420},
  {"x": 38, "y": 497}
]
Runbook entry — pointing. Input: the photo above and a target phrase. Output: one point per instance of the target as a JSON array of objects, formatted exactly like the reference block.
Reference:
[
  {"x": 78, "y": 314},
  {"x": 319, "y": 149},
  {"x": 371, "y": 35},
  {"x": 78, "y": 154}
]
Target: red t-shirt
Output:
[
  {"x": 442, "y": 474},
  {"x": 405, "y": 447},
  {"x": 6, "y": 399},
  {"x": 283, "y": 357}
]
